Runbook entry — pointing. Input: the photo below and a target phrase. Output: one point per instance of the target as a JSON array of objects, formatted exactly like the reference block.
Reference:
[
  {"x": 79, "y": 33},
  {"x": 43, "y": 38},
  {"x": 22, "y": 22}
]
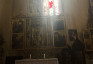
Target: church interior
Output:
[{"x": 40, "y": 31}]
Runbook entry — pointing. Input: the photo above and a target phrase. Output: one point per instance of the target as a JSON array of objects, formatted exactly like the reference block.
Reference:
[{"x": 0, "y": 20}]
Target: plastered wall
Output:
[{"x": 75, "y": 12}]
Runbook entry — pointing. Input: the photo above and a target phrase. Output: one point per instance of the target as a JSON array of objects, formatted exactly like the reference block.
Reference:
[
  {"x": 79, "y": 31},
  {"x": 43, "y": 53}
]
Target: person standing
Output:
[{"x": 77, "y": 51}]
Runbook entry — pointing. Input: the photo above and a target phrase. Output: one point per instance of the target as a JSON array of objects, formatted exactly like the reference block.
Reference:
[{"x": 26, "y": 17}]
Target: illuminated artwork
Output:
[{"x": 36, "y": 33}]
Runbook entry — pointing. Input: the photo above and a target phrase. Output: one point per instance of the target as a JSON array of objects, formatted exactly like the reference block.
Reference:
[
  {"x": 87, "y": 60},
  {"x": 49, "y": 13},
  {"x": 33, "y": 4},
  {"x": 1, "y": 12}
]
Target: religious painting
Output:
[
  {"x": 17, "y": 26},
  {"x": 90, "y": 11},
  {"x": 86, "y": 34},
  {"x": 88, "y": 40},
  {"x": 91, "y": 6},
  {"x": 88, "y": 44},
  {"x": 91, "y": 31},
  {"x": 36, "y": 33},
  {"x": 17, "y": 41},
  {"x": 59, "y": 39},
  {"x": 58, "y": 25},
  {"x": 70, "y": 33},
  {"x": 36, "y": 36}
]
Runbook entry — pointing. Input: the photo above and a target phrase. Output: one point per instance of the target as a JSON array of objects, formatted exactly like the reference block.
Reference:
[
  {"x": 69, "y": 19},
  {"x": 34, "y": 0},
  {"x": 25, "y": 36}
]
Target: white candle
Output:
[
  {"x": 30, "y": 56},
  {"x": 44, "y": 56}
]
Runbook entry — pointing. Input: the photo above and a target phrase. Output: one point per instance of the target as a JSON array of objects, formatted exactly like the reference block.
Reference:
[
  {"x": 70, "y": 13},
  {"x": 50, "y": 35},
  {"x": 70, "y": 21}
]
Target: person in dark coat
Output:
[{"x": 77, "y": 52}]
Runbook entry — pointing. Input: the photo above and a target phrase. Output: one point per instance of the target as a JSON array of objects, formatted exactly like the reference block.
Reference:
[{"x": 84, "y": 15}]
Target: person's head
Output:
[{"x": 74, "y": 36}]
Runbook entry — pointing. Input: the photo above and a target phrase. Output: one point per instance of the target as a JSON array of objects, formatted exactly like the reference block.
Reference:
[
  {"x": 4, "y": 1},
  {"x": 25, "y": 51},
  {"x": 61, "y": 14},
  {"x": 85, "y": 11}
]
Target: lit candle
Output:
[
  {"x": 30, "y": 56},
  {"x": 44, "y": 56}
]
